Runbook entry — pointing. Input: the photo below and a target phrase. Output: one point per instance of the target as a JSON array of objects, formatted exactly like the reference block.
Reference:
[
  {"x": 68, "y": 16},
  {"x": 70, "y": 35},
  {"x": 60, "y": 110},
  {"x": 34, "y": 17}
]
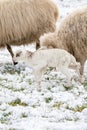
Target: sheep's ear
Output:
[{"x": 18, "y": 53}]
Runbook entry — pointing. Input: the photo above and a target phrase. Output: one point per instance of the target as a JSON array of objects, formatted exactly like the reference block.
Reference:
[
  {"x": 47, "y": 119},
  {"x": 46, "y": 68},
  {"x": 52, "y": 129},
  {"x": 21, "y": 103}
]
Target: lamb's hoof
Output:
[
  {"x": 67, "y": 85},
  {"x": 39, "y": 89},
  {"x": 15, "y": 63},
  {"x": 39, "y": 86},
  {"x": 82, "y": 79}
]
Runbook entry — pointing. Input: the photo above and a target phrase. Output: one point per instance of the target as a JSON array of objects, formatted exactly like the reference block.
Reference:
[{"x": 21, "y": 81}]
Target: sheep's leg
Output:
[
  {"x": 37, "y": 44},
  {"x": 10, "y": 50},
  {"x": 81, "y": 73}
]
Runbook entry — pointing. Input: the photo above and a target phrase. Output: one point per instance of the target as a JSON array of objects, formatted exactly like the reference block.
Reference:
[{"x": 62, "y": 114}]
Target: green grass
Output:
[
  {"x": 48, "y": 100},
  {"x": 11, "y": 69},
  {"x": 85, "y": 85},
  {"x": 78, "y": 108},
  {"x": 12, "y": 129},
  {"x": 30, "y": 81},
  {"x": 57, "y": 105},
  {"x": 17, "y": 102},
  {"x": 5, "y": 118},
  {"x": 24, "y": 115}
]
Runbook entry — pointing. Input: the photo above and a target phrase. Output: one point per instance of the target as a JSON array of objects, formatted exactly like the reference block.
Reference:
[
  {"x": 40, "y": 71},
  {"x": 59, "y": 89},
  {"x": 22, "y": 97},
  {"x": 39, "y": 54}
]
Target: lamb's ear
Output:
[{"x": 29, "y": 53}]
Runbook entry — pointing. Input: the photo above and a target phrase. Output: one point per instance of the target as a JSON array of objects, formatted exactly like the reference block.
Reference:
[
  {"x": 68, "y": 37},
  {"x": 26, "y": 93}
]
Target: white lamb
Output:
[{"x": 41, "y": 59}]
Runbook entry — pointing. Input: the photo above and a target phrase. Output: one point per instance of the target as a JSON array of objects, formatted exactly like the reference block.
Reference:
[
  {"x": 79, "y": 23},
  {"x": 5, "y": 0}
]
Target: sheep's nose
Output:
[{"x": 15, "y": 63}]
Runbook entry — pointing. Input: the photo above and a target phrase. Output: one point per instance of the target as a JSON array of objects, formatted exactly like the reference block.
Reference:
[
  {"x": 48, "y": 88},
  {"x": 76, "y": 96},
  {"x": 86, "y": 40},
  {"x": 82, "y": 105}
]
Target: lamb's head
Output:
[
  {"x": 18, "y": 56},
  {"x": 21, "y": 56}
]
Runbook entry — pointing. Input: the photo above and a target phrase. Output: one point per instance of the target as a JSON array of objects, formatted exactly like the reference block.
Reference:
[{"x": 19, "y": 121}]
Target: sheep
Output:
[
  {"x": 24, "y": 21},
  {"x": 41, "y": 59},
  {"x": 71, "y": 35}
]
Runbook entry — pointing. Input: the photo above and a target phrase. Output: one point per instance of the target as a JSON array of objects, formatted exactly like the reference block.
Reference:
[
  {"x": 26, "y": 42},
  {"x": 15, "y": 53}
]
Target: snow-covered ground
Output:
[{"x": 55, "y": 107}]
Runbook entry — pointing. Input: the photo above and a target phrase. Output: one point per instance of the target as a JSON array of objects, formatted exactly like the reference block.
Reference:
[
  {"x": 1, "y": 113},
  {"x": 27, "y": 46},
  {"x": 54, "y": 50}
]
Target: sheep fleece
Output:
[
  {"x": 71, "y": 35},
  {"x": 23, "y": 21}
]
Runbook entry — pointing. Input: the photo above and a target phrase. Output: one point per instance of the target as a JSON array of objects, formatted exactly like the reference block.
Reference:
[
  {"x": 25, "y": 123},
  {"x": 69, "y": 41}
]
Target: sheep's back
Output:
[
  {"x": 23, "y": 21},
  {"x": 72, "y": 33}
]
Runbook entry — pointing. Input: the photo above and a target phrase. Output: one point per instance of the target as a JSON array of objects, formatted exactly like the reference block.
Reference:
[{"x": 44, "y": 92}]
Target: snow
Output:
[{"x": 55, "y": 107}]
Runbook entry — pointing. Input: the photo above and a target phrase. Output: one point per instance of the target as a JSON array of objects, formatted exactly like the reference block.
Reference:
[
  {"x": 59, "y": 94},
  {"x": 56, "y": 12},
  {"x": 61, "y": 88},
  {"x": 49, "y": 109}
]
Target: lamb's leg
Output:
[
  {"x": 66, "y": 72},
  {"x": 76, "y": 67},
  {"x": 38, "y": 76},
  {"x": 38, "y": 72}
]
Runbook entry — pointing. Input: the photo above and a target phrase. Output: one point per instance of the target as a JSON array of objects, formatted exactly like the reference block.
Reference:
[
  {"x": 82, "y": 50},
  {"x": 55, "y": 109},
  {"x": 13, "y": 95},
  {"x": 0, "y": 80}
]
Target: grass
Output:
[
  {"x": 30, "y": 81},
  {"x": 11, "y": 69},
  {"x": 17, "y": 102},
  {"x": 70, "y": 119},
  {"x": 12, "y": 129},
  {"x": 78, "y": 108},
  {"x": 34, "y": 106},
  {"x": 11, "y": 87},
  {"x": 48, "y": 100},
  {"x": 7, "y": 114},
  {"x": 24, "y": 115},
  {"x": 85, "y": 85},
  {"x": 49, "y": 88},
  {"x": 5, "y": 118},
  {"x": 68, "y": 87},
  {"x": 57, "y": 105}
]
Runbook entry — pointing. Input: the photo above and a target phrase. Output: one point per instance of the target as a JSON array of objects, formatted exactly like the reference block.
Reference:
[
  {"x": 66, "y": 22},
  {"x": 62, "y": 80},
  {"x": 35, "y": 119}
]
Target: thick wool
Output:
[
  {"x": 71, "y": 36},
  {"x": 23, "y": 21}
]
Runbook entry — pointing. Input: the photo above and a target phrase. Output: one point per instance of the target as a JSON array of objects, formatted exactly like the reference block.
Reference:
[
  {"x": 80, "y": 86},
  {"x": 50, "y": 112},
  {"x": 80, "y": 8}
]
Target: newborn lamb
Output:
[{"x": 41, "y": 59}]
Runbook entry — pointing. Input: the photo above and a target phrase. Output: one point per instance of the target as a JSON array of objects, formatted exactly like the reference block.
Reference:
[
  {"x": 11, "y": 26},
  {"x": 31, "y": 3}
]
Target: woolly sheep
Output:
[
  {"x": 23, "y": 21},
  {"x": 41, "y": 59},
  {"x": 71, "y": 35}
]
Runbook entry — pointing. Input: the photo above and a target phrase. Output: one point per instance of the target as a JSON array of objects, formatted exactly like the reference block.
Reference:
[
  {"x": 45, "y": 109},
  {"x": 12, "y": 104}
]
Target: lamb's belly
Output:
[{"x": 52, "y": 63}]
